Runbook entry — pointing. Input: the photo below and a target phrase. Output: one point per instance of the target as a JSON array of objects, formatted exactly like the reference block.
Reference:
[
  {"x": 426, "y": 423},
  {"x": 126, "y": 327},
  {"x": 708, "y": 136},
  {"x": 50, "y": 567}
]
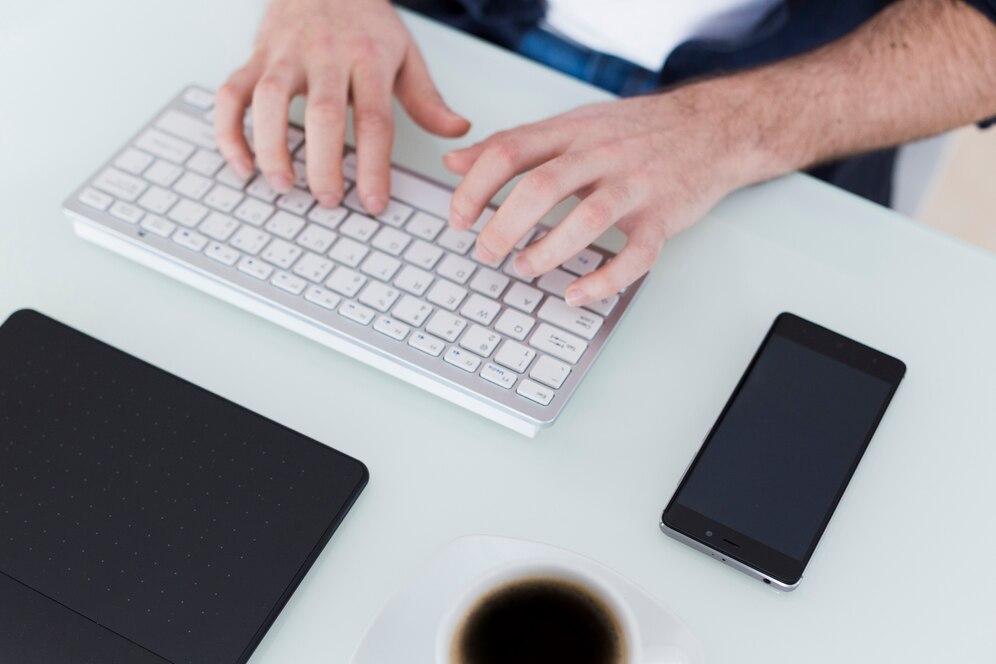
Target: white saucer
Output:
[{"x": 404, "y": 630}]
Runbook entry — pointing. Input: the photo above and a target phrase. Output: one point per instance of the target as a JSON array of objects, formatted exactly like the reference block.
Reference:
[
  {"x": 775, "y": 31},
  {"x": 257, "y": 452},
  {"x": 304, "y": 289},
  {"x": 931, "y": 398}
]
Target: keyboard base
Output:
[{"x": 99, "y": 235}]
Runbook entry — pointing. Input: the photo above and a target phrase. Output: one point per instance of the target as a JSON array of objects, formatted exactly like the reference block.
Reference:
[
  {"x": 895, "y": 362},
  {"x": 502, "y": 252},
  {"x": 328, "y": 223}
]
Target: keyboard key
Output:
[
  {"x": 190, "y": 239},
  {"x": 95, "y": 199},
  {"x": 446, "y": 294},
  {"x": 119, "y": 185},
  {"x": 423, "y": 254},
  {"x": 188, "y": 213},
  {"x": 446, "y": 325},
  {"x": 413, "y": 280},
  {"x": 480, "y": 309},
  {"x": 158, "y": 225},
  {"x": 295, "y": 137},
  {"x": 165, "y": 146},
  {"x": 126, "y": 212},
  {"x": 379, "y": 296},
  {"x": 426, "y": 343},
  {"x": 230, "y": 178},
  {"x": 202, "y": 99},
  {"x": 300, "y": 175},
  {"x": 457, "y": 241},
  {"x": 380, "y": 266},
  {"x": 482, "y": 220},
  {"x": 412, "y": 310},
  {"x": 425, "y": 226},
  {"x": 357, "y": 313},
  {"x": 558, "y": 343},
  {"x": 578, "y": 321},
  {"x": 255, "y": 268},
  {"x": 158, "y": 201},
  {"x": 462, "y": 359},
  {"x": 348, "y": 252},
  {"x": 222, "y": 253},
  {"x": 603, "y": 306},
  {"x": 188, "y": 128},
  {"x": 285, "y": 225},
  {"x": 550, "y": 372},
  {"x": 253, "y": 211},
  {"x": 322, "y": 297},
  {"x": 282, "y": 254},
  {"x": 296, "y": 201},
  {"x": 316, "y": 238},
  {"x": 391, "y": 241},
  {"x": 249, "y": 240},
  {"x": 395, "y": 214},
  {"x": 133, "y": 161},
  {"x": 480, "y": 340},
  {"x": 206, "y": 163},
  {"x": 359, "y": 227},
  {"x": 515, "y": 356},
  {"x": 556, "y": 281},
  {"x": 456, "y": 268},
  {"x": 510, "y": 270},
  {"x": 391, "y": 327},
  {"x": 514, "y": 324},
  {"x": 163, "y": 173},
  {"x": 261, "y": 190},
  {"x": 313, "y": 267},
  {"x": 523, "y": 297},
  {"x": 583, "y": 262},
  {"x": 288, "y": 282},
  {"x": 535, "y": 392},
  {"x": 497, "y": 375},
  {"x": 328, "y": 217},
  {"x": 223, "y": 198},
  {"x": 346, "y": 281},
  {"x": 489, "y": 282},
  {"x": 217, "y": 226},
  {"x": 431, "y": 197},
  {"x": 192, "y": 185}
]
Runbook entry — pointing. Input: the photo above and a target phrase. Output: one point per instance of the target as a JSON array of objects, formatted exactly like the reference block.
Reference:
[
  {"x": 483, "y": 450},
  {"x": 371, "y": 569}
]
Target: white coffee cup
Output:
[{"x": 548, "y": 569}]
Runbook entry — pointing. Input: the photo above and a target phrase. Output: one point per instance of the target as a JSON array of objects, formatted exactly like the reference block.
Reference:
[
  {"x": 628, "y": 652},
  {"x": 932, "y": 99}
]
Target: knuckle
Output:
[
  {"x": 595, "y": 215},
  {"x": 365, "y": 48},
  {"x": 542, "y": 182},
  {"x": 374, "y": 119},
  {"x": 326, "y": 111},
  {"x": 644, "y": 253},
  {"x": 506, "y": 151},
  {"x": 228, "y": 95}
]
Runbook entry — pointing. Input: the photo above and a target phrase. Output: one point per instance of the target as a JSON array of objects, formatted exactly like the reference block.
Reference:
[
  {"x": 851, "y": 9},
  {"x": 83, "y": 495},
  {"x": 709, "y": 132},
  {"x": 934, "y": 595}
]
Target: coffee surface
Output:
[{"x": 539, "y": 621}]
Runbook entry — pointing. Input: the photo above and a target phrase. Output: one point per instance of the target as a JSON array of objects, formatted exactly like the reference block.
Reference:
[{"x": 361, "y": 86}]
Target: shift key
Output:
[{"x": 558, "y": 343}]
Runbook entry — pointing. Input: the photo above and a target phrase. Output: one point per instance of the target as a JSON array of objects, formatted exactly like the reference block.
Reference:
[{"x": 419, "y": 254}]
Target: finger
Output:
[
  {"x": 325, "y": 124},
  {"x": 422, "y": 101},
  {"x": 231, "y": 102},
  {"x": 582, "y": 226},
  {"x": 530, "y": 199},
  {"x": 636, "y": 258},
  {"x": 505, "y": 156},
  {"x": 374, "y": 133},
  {"x": 270, "y": 103}
]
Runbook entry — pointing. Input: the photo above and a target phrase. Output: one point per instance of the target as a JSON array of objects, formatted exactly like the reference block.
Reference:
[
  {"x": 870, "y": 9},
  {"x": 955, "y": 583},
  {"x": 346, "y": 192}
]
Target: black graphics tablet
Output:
[{"x": 143, "y": 519}]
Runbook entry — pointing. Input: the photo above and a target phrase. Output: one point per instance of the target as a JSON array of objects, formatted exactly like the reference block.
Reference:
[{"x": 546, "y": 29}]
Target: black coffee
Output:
[{"x": 539, "y": 621}]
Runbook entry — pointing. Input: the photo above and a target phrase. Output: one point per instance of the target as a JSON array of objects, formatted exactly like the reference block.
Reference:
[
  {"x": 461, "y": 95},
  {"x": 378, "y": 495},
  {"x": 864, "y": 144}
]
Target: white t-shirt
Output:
[{"x": 646, "y": 31}]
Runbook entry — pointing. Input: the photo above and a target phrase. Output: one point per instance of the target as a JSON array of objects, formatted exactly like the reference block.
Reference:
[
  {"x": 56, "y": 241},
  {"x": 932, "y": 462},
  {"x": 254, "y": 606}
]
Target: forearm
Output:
[{"x": 918, "y": 68}]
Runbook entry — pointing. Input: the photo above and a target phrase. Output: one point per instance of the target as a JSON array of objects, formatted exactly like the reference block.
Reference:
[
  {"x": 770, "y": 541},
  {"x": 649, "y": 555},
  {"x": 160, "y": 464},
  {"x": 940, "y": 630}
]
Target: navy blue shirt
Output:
[{"x": 790, "y": 28}]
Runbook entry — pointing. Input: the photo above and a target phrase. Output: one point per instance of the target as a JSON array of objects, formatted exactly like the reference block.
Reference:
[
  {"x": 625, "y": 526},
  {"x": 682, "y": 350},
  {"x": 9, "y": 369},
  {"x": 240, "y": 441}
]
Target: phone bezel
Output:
[{"x": 783, "y": 569}]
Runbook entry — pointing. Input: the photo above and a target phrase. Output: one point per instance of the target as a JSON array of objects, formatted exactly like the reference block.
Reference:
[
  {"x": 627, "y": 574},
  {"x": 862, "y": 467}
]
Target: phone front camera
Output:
[{"x": 708, "y": 533}]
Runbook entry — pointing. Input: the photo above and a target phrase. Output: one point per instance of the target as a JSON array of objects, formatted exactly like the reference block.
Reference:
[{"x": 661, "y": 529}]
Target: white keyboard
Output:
[{"x": 401, "y": 291}]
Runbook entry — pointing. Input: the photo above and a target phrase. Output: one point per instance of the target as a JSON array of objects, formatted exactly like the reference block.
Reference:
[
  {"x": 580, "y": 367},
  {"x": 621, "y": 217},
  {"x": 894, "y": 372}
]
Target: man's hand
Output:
[
  {"x": 654, "y": 165},
  {"x": 650, "y": 165},
  {"x": 334, "y": 51}
]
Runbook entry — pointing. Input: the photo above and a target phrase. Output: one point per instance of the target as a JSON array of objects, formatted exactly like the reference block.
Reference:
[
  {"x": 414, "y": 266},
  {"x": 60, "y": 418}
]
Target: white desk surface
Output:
[{"x": 905, "y": 572}]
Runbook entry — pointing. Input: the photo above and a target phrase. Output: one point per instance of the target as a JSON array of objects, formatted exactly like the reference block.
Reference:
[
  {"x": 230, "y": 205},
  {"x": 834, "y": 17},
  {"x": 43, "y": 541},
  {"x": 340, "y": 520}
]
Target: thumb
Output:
[{"x": 422, "y": 101}]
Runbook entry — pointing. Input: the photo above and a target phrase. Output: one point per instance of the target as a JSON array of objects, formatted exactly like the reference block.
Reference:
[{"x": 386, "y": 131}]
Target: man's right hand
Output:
[{"x": 334, "y": 51}]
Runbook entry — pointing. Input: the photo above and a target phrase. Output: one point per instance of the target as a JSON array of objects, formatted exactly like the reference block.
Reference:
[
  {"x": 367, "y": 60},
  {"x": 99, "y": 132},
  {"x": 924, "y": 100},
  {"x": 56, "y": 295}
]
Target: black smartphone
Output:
[{"x": 762, "y": 488}]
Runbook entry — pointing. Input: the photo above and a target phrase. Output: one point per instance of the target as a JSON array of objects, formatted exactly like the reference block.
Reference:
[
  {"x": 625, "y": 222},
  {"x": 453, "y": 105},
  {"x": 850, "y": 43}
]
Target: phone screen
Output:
[{"x": 775, "y": 465}]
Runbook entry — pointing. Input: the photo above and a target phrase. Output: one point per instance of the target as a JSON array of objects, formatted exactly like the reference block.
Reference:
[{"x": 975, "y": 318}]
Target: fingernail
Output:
[
  {"x": 329, "y": 200},
  {"x": 281, "y": 182},
  {"x": 242, "y": 167},
  {"x": 576, "y": 297},
  {"x": 523, "y": 267},
  {"x": 373, "y": 203},
  {"x": 483, "y": 254},
  {"x": 456, "y": 220}
]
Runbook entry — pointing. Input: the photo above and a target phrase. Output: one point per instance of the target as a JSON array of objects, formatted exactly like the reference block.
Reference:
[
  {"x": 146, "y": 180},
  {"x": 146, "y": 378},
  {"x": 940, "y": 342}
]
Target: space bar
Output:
[{"x": 414, "y": 191}]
